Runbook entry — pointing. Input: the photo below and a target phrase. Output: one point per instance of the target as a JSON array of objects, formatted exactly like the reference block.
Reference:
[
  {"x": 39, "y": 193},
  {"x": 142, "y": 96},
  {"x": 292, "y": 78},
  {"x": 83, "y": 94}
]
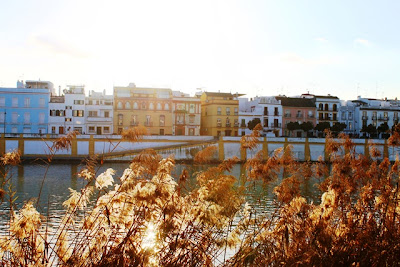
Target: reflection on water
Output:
[{"x": 29, "y": 178}]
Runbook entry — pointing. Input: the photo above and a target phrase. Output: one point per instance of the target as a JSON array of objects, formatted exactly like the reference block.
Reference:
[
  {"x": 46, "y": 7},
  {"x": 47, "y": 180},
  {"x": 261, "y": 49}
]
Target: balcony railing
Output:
[
  {"x": 134, "y": 123},
  {"x": 228, "y": 124},
  {"x": 276, "y": 125},
  {"x": 148, "y": 123},
  {"x": 299, "y": 116},
  {"x": 243, "y": 125},
  {"x": 364, "y": 118},
  {"x": 265, "y": 113},
  {"x": 219, "y": 124},
  {"x": 288, "y": 115},
  {"x": 383, "y": 118},
  {"x": 310, "y": 116},
  {"x": 228, "y": 113},
  {"x": 276, "y": 113},
  {"x": 236, "y": 113},
  {"x": 236, "y": 124},
  {"x": 374, "y": 118}
]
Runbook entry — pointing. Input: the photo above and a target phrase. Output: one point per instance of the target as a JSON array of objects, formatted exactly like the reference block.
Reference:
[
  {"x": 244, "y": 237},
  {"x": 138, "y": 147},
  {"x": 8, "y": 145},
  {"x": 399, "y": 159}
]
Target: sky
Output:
[{"x": 253, "y": 47}]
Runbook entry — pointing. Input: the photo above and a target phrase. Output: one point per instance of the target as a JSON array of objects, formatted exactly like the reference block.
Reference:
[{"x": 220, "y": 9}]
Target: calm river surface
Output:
[{"x": 27, "y": 181}]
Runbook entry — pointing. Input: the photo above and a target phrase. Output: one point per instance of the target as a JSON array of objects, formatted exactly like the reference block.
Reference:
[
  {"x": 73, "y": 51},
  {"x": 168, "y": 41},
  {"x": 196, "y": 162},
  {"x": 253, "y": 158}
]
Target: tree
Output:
[
  {"x": 307, "y": 126},
  {"x": 338, "y": 127},
  {"x": 383, "y": 128},
  {"x": 251, "y": 124},
  {"x": 322, "y": 126},
  {"x": 370, "y": 129},
  {"x": 292, "y": 126}
]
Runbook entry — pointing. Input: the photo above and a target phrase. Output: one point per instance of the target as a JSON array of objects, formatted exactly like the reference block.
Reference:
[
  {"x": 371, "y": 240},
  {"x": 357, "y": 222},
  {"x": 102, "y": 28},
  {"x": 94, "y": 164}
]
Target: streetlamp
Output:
[{"x": 4, "y": 127}]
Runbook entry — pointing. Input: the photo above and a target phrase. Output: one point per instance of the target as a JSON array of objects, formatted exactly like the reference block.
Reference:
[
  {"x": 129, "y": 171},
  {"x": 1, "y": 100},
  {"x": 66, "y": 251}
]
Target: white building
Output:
[
  {"x": 67, "y": 112},
  {"x": 99, "y": 113},
  {"x": 327, "y": 107},
  {"x": 266, "y": 108}
]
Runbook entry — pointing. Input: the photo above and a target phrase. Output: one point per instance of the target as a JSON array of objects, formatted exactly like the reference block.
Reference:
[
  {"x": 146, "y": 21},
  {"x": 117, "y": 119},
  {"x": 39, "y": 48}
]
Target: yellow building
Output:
[
  {"x": 151, "y": 107},
  {"x": 219, "y": 114}
]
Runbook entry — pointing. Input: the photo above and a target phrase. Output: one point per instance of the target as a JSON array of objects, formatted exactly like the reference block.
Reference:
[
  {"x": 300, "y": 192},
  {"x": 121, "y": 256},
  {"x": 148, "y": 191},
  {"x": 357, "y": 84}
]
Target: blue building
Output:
[{"x": 25, "y": 109}]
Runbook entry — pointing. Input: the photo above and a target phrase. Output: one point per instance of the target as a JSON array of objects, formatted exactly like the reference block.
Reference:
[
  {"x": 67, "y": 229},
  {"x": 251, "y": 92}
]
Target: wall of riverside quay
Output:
[{"x": 182, "y": 147}]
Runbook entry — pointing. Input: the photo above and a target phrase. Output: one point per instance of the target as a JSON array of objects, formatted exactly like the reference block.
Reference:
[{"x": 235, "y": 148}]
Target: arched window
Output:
[
  {"x": 127, "y": 105},
  {"x": 151, "y": 106},
  {"x": 159, "y": 106},
  {"x": 321, "y": 106},
  {"x": 119, "y": 105},
  {"x": 143, "y": 105},
  {"x": 166, "y": 106},
  {"x": 135, "y": 105},
  {"x": 57, "y": 113},
  {"x": 334, "y": 107},
  {"x": 326, "y": 107},
  {"x": 120, "y": 119}
]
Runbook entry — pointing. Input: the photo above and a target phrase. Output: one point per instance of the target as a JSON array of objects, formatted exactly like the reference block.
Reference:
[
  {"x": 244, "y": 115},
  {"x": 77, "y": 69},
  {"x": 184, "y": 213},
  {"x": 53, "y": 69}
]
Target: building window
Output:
[
  {"x": 14, "y": 117},
  {"x": 27, "y": 102},
  {"x": 106, "y": 129},
  {"x": 14, "y": 102},
  {"x": 151, "y": 106},
  {"x": 166, "y": 107},
  {"x": 343, "y": 115},
  {"x": 219, "y": 124},
  {"x": 219, "y": 111},
  {"x": 135, "y": 105},
  {"x": 148, "y": 120},
  {"x": 68, "y": 107},
  {"x": 162, "y": 120},
  {"x": 77, "y": 113},
  {"x": 134, "y": 120},
  {"x": 79, "y": 102},
  {"x": 127, "y": 105},
  {"x": 53, "y": 129},
  {"x": 68, "y": 119},
  {"x": 320, "y": 106},
  {"x": 92, "y": 113},
  {"x": 191, "y": 118},
  {"x": 27, "y": 117},
  {"x": 236, "y": 111},
  {"x": 276, "y": 112},
  {"x": 310, "y": 114},
  {"x": 119, "y": 105},
  {"x": 191, "y": 131},
  {"x": 91, "y": 129},
  {"x": 120, "y": 119},
  {"x": 78, "y": 129},
  {"x": 161, "y": 131},
  {"x": 350, "y": 115},
  {"x": 350, "y": 126},
  {"x": 106, "y": 114},
  {"x": 159, "y": 106},
  {"x": 41, "y": 118},
  {"x": 191, "y": 108},
  {"x": 2, "y": 101},
  {"x": 180, "y": 118},
  {"x": 334, "y": 107},
  {"x": 228, "y": 111},
  {"x": 326, "y": 107},
  {"x": 143, "y": 105}
]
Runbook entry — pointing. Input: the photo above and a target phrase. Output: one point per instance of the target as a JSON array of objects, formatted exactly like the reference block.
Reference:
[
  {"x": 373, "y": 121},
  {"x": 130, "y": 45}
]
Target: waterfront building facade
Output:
[
  {"x": 271, "y": 114},
  {"x": 99, "y": 113},
  {"x": 186, "y": 114},
  {"x": 67, "y": 112},
  {"x": 151, "y": 107},
  {"x": 327, "y": 107},
  {"x": 297, "y": 109},
  {"x": 248, "y": 111},
  {"x": 24, "y": 109},
  {"x": 348, "y": 114},
  {"x": 219, "y": 114}
]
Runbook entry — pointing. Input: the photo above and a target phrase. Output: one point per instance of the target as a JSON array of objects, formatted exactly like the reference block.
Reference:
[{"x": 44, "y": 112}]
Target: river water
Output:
[{"x": 28, "y": 179}]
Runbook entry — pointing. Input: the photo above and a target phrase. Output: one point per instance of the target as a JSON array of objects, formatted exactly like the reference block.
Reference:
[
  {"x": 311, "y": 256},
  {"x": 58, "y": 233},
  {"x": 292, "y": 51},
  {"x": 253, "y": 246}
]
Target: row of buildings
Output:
[{"x": 35, "y": 107}]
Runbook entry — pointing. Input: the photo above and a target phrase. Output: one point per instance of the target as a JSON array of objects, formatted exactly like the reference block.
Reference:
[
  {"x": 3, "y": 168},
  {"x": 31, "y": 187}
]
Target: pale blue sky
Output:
[{"x": 345, "y": 48}]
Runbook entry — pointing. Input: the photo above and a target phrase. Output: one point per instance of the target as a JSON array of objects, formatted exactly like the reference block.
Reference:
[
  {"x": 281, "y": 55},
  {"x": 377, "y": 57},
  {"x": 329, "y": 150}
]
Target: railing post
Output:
[
  {"x": 307, "y": 153},
  {"x": 221, "y": 150},
  {"x": 21, "y": 144}
]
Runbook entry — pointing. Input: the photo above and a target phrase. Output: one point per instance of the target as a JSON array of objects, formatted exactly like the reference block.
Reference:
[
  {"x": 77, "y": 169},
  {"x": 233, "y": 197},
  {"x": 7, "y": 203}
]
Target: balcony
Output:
[
  {"x": 383, "y": 118},
  {"x": 310, "y": 116},
  {"x": 276, "y": 125},
  {"x": 228, "y": 124},
  {"x": 364, "y": 118},
  {"x": 243, "y": 125},
  {"x": 374, "y": 117},
  {"x": 219, "y": 124},
  {"x": 134, "y": 123},
  {"x": 180, "y": 122},
  {"x": 228, "y": 113},
  {"x": 236, "y": 113},
  {"x": 148, "y": 123},
  {"x": 326, "y": 119},
  {"x": 99, "y": 119},
  {"x": 265, "y": 124},
  {"x": 236, "y": 124},
  {"x": 299, "y": 116},
  {"x": 276, "y": 113},
  {"x": 287, "y": 115},
  {"x": 265, "y": 113}
]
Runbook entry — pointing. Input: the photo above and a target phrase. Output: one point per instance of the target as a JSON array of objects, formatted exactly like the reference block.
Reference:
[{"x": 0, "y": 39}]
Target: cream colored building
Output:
[{"x": 186, "y": 114}]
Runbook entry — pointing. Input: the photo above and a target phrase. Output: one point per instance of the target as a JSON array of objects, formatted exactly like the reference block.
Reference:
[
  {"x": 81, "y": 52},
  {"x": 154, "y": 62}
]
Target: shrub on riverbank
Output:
[{"x": 148, "y": 218}]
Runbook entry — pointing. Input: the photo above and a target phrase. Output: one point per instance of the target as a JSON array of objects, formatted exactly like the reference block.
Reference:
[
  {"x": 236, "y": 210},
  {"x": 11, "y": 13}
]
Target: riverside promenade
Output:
[{"x": 184, "y": 148}]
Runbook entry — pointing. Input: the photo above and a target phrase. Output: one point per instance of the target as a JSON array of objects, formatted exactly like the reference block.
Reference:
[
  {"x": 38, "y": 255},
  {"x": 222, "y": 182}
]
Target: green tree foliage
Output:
[
  {"x": 338, "y": 127},
  {"x": 251, "y": 124}
]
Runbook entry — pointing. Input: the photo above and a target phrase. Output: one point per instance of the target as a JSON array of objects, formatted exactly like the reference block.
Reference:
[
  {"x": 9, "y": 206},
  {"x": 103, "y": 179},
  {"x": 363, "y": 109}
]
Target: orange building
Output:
[{"x": 296, "y": 109}]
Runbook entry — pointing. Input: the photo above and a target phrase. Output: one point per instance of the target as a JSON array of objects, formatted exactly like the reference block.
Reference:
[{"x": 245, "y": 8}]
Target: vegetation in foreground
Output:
[{"x": 147, "y": 218}]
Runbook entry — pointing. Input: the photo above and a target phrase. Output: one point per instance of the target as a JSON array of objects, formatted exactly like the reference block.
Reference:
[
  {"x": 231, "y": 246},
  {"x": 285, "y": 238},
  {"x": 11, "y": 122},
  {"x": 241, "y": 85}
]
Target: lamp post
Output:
[{"x": 4, "y": 128}]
